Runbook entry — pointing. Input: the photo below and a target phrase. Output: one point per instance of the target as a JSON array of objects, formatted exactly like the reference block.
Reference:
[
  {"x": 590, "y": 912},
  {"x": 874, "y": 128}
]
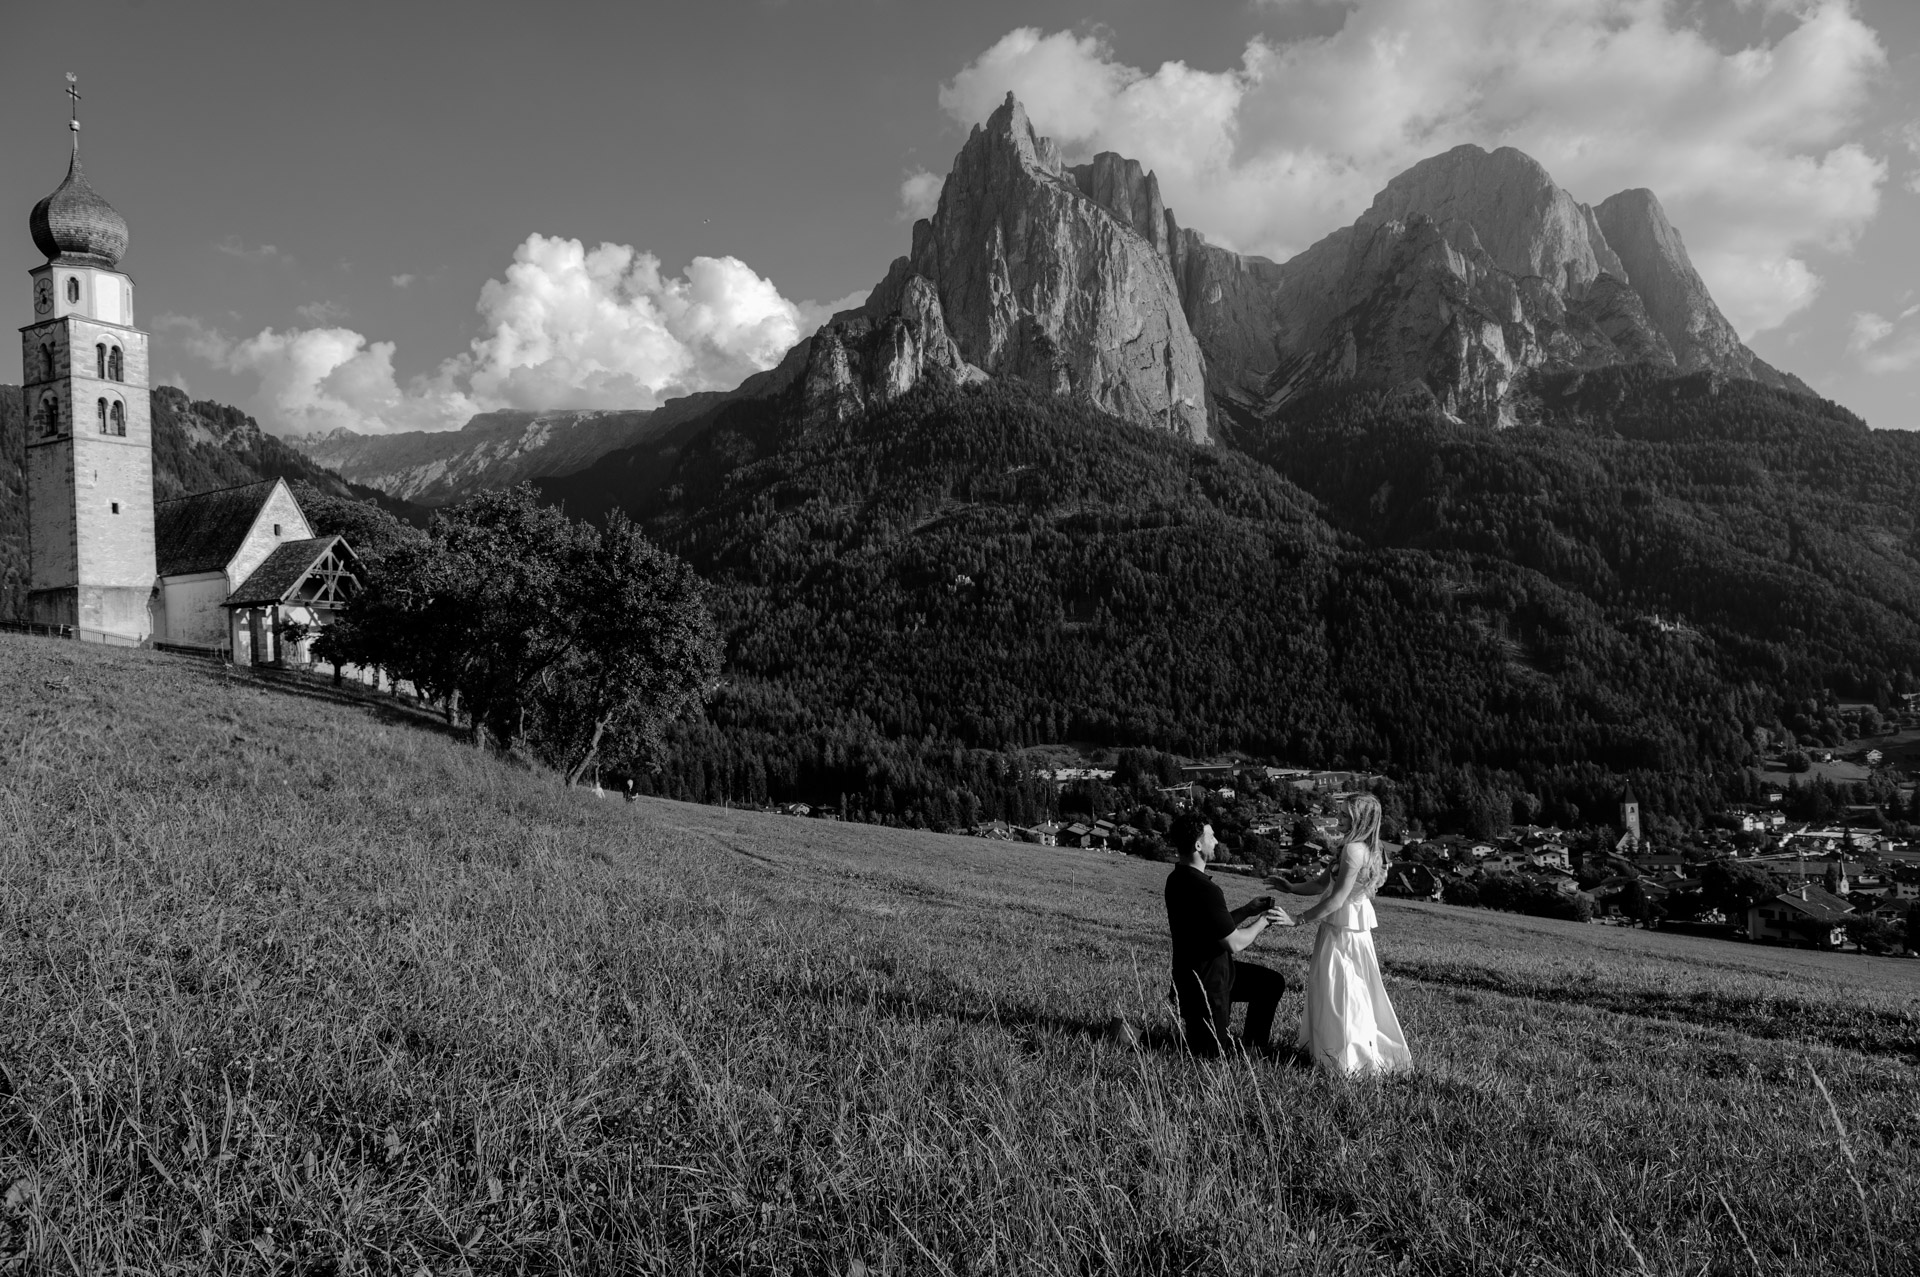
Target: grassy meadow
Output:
[{"x": 301, "y": 987}]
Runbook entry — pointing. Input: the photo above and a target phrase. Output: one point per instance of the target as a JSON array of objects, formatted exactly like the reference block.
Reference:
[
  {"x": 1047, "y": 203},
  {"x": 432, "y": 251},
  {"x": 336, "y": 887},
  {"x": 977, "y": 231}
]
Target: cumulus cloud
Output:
[
  {"x": 1910, "y": 138},
  {"x": 1881, "y": 345},
  {"x": 1748, "y": 148},
  {"x": 568, "y": 327},
  {"x": 402, "y": 281},
  {"x": 920, "y": 194}
]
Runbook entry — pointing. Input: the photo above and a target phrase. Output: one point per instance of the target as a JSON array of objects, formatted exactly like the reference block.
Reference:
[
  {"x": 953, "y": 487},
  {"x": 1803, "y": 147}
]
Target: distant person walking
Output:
[
  {"x": 1347, "y": 1024},
  {"x": 1207, "y": 978}
]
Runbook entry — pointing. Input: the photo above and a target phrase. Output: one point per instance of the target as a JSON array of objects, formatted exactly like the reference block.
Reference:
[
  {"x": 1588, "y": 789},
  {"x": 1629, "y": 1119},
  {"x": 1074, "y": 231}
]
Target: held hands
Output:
[{"x": 1271, "y": 913}]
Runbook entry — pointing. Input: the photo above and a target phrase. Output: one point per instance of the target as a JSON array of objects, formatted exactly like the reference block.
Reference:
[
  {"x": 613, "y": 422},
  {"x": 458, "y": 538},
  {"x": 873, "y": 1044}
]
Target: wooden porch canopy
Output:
[{"x": 319, "y": 573}]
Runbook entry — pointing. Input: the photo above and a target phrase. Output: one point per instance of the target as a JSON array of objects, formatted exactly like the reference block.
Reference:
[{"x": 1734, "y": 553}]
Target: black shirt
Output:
[{"x": 1199, "y": 919}]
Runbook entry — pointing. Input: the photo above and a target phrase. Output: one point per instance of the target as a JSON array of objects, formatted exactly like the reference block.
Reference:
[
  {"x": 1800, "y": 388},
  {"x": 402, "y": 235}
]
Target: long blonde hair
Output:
[{"x": 1363, "y": 826}]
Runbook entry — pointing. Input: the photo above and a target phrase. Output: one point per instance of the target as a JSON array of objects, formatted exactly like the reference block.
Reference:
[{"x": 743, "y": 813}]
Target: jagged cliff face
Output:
[
  {"x": 1022, "y": 272},
  {"x": 1468, "y": 271}
]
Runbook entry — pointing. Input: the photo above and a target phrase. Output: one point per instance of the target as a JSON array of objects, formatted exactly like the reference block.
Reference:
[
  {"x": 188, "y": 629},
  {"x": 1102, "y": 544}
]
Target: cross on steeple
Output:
[{"x": 73, "y": 107}]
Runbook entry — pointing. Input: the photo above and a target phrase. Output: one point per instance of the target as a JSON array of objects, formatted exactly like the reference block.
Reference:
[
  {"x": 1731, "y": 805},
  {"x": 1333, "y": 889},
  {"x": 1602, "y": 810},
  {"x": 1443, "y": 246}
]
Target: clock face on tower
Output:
[{"x": 42, "y": 295}]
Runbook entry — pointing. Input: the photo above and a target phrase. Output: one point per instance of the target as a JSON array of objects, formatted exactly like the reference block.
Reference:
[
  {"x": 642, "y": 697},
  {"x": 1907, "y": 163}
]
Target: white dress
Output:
[{"x": 1347, "y": 1022}]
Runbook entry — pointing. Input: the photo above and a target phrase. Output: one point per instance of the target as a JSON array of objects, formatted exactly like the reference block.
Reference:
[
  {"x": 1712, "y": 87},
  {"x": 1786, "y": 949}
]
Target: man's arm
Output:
[{"x": 1259, "y": 904}]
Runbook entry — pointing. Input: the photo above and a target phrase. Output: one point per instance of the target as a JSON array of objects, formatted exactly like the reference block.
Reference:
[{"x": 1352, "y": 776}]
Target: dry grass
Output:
[{"x": 290, "y": 988}]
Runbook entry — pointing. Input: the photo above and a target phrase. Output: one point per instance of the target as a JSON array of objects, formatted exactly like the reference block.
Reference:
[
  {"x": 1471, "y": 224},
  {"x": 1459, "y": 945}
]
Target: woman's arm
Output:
[
  {"x": 1311, "y": 887},
  {"x": 1345, "y": 874}
]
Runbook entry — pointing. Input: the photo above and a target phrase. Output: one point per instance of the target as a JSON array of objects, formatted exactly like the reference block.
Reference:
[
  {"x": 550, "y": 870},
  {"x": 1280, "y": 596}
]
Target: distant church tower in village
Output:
[{"x": 89, "y": 438}]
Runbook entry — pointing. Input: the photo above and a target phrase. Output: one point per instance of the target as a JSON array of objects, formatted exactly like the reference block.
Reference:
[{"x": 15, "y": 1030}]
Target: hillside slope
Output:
[
  {"x": 308, "y": 1000},
  {"x": 917, "y": 591}
]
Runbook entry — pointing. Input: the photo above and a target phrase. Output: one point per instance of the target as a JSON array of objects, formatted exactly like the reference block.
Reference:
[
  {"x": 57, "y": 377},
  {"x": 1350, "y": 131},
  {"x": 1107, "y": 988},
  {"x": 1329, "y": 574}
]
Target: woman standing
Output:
[{"x": 1348, "y": 1025}]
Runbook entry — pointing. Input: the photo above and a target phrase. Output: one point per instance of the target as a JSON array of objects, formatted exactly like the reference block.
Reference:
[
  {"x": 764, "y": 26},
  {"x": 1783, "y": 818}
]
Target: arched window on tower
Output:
[
  {"x": 119, "y": 419},
  {"x": 73, "y": 288},
  {"x": 103, "y": 416},
  {"x": 50, "y": 416},
  {"x": 116, "y": 369},
  {"x": 100, "y": 360},
  {"x": 46, "y": 361}
]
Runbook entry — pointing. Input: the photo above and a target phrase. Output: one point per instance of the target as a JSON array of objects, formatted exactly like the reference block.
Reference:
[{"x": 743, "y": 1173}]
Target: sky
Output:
[{"x": 390, "y": 216}]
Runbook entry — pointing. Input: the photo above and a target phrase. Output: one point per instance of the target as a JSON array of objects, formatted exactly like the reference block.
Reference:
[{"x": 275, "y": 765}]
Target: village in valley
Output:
[{"x": 1751, "y": 873}]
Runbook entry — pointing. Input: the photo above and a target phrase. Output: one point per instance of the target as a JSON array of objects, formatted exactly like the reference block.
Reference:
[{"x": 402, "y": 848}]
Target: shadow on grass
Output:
[
  {"x": 1024, "y": 1024},
  {"x": 383, "y": 705},
  {"x": 1891, "y": 1034}
]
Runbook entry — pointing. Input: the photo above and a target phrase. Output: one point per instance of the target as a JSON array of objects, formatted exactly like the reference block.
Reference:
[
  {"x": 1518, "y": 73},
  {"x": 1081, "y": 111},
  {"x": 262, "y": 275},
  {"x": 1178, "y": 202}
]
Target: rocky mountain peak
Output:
[
  {"x": 1027, "y": 270},
  {"x": 1469, "y": 271},
  {"x": 1677, "y": 301},
  {"x": 1526, "y": 223}
]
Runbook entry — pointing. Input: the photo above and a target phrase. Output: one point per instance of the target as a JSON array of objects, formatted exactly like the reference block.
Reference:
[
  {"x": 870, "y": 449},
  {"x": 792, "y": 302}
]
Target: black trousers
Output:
[{"x": 1206, "y": 997}]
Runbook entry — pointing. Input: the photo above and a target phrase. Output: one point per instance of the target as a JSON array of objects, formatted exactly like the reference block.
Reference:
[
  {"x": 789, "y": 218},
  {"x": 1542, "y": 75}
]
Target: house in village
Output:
[
  {"x": 1045, "y": 834},
  {"x": 1413, "y": 882},
  {"x": 1206, "y": 773},
  {"x": 1549, "y": 856},
  {"x": 1805, "y": 915},
  {"x": 240, "y": 570}
]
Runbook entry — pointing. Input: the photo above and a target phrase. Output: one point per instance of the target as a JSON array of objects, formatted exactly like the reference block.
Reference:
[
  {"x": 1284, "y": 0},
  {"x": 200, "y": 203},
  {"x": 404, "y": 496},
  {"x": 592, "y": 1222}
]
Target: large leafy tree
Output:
[
  {"x": 1734, "y": 888},
  {"x": 645, "y": 651},
  {"x": 573, "y": 643}
]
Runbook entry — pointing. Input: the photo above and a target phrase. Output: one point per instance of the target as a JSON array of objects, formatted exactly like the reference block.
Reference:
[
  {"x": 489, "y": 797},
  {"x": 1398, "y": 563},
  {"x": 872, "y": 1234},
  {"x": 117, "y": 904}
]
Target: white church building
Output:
[{"x": 238, "y": 570}]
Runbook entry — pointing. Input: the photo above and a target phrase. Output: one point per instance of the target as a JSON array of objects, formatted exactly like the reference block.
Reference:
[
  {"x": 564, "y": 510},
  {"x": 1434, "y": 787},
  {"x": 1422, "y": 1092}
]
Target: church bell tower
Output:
[{"x": 88, "y": 421}]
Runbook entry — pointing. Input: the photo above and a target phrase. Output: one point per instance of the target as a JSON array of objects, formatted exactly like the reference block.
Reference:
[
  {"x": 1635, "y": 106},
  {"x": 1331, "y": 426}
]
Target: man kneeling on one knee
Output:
[{"x": 1207, "y": 978}]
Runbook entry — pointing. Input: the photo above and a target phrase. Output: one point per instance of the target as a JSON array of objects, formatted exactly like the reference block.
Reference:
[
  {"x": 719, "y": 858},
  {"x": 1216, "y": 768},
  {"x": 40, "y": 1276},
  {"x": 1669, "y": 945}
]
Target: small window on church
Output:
[
  {"x": 46, "y": 361},
  {"x": 103, "y": 416},
  {"x": 119, "y": 418},
  {"x": 49, "y": 416},
  {"x": 116, "y": 507},
  {"x": 100, "y": 361},
  {"x": 73, "y": 288},
  {"x": 276, "y": 529},
  {"x": 116, "y": 370}
]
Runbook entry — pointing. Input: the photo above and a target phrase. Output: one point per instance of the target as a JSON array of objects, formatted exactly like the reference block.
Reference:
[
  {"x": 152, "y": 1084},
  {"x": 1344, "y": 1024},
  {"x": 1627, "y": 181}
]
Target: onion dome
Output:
[{"x": 75, "y": 225}]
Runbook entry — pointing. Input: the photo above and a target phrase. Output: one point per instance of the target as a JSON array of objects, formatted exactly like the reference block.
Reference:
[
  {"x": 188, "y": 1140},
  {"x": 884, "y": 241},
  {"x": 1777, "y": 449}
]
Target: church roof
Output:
[
  {"x": 284, "y": 570},
  {"x": 76, "y": 224},
  {"x": 202, "y": 533}
]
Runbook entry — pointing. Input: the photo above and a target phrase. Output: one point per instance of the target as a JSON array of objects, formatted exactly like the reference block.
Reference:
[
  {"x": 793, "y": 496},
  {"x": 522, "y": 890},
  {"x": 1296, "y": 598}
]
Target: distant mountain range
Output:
[{"x": 1470, "y": 273}]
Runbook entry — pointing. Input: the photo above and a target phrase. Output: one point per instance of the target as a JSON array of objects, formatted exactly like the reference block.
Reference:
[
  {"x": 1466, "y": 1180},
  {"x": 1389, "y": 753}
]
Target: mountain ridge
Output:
[{"x": 1470, "y": 272}]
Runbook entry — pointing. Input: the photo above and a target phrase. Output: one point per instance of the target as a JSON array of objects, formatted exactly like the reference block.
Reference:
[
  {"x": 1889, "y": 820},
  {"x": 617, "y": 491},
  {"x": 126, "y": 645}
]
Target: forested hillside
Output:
[
  {"x": 969, "y": 571},
  {"x": 1775, "y": 525}
]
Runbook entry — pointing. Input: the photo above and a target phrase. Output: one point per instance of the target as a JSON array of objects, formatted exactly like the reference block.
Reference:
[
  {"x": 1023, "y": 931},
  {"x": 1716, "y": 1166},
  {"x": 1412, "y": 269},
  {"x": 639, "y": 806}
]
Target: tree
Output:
[
  {"x": 578, "y": 644},
  {"x": 1875, "y": 934},
  {"x": 372, "y": 532},
  {"x": 1734, "y": 888},
  {"x": 645, "y": 652}
]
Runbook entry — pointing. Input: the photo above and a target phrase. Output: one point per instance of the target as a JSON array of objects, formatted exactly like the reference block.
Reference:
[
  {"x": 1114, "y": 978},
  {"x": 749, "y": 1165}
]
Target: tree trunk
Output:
[{"x": 593, "y": 751}]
